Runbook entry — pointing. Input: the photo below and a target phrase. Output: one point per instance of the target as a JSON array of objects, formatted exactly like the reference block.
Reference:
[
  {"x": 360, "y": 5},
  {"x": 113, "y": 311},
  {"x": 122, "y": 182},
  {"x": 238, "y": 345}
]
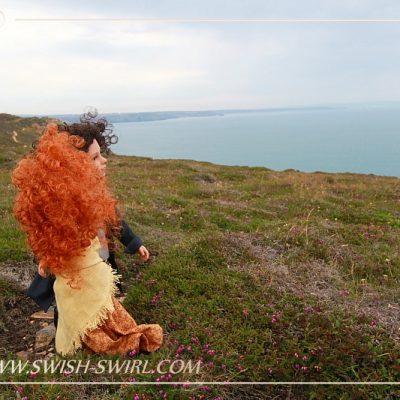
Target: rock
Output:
[
  {"x": 43, "y": 315},
  {"x": 40, "y": 354},
  {"x": 23, "y": 355},
  {"x": 45, "y": 336},
  {"x": 209, "y": 178}
]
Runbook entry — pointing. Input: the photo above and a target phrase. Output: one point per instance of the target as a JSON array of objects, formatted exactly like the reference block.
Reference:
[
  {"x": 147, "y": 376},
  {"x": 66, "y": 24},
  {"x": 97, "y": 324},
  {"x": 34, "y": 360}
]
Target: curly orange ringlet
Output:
[{"x": 62, "y": 201}]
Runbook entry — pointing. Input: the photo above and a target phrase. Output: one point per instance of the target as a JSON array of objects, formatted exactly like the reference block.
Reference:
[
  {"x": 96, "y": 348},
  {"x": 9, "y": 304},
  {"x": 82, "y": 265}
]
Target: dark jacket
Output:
[{"x": 41, "y": 289}]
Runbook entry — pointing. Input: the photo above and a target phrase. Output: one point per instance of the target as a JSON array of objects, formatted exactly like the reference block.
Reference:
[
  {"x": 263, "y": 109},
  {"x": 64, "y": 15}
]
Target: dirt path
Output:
[{"x": 14, "y": 136}]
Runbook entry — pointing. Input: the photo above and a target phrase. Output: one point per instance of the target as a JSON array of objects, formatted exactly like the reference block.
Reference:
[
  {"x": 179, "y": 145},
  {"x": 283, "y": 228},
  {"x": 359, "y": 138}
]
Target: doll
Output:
[
  {"x": 64, "y": 205},
  {"x": 41, "y": 288}
]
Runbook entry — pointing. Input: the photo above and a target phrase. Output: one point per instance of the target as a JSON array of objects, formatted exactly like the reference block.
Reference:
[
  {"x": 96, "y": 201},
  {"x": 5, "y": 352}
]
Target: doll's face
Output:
[{"x": 99, "y": 161}]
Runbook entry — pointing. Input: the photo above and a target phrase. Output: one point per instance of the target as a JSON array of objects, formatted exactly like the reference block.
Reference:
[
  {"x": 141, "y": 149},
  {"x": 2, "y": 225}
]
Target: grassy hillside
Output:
[{"x": 262, "y": 275}]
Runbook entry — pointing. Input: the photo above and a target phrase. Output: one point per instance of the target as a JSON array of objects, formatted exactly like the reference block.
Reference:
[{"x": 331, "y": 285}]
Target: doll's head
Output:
[
  {"x": 97, "y": 134},
  {"x": 91, "y": 129}
]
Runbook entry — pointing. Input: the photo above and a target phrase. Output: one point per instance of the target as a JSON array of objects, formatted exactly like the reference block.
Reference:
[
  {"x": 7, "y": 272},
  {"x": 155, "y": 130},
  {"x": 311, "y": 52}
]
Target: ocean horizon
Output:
[{"x": 355, "y": 139}]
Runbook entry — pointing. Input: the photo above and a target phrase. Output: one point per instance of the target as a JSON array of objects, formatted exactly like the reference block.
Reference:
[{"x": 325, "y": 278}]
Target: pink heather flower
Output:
[
  {"x": 206, "y": 346},
  {"x": 33, "y": 374},
  {"x": 245, "y": 312},
  {"x": 67, "y": 372},
  {"x": 296, "y": 355},
  {"x": 308, "y": 310},
  {"x": 179, "y": 350},
  {"x": 210, "y": 364},
  {"x": 275, "y": 318},
  {"x": 211, "y": 352},
  {"x": 25, "y": 398},
  {"x": 190, "y": 318},
  {"x": 223, "y": 366},
  {"x": 195, "y": 339},
  {"x": 131, "y": 380},
  {"x": 269, "y": 370},
  {"x": 305, "y": 358},
  {"x": 317, "y": 368},
  {"x": 206, "y": 388},
  {"x": 373, "y": 323},
  {"x": 132, "y": 353},
  {"x": 304, "y": 368},
  {"x": 344, "y": 292},
  {"x": 296, "y": 366},
  {"x": 20, "y": 389},
  {"x": 136, "y": 397},
  {"x": 240, "y": 367},
  {"x": 168, "y": 377},
  {"x": 189, "y": 348},
  {"x": 156, "y": 298}
]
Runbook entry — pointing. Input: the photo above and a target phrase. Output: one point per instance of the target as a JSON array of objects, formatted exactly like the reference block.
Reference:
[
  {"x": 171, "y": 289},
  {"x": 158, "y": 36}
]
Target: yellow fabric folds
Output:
[{"x": 84, "y": 309}]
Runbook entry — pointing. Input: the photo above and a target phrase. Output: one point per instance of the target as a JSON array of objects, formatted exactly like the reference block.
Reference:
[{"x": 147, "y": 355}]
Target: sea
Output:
[{"x": 358, "y": 139}]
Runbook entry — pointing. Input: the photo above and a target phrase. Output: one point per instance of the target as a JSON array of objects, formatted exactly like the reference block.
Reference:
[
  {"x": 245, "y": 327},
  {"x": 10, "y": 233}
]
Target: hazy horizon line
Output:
[{"x": 315, "y": 106}]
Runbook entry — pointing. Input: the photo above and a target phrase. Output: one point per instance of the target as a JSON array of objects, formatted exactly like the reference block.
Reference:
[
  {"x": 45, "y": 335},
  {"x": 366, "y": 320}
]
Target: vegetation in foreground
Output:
[{"x": 260, "y": 275}]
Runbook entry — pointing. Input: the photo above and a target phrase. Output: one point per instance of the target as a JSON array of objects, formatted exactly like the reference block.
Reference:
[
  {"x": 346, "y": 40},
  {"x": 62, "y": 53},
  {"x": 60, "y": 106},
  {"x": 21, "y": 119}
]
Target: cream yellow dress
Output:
[{"x": 91, "y": 317}]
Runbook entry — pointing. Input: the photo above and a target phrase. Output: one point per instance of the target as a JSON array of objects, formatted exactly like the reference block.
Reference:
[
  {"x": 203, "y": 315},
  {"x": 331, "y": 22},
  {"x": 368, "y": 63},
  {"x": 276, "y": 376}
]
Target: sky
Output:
[{"x": 55, "y": 67}]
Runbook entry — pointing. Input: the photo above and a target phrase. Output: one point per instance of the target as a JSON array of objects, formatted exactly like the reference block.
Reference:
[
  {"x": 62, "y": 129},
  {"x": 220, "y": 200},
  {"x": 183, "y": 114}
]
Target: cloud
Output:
[{"x": 57, "y": 67}]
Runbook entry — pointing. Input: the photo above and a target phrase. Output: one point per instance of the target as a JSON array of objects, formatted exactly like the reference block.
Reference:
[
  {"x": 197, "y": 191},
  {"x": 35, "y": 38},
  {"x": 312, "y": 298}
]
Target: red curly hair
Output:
[{"x": 62, "y": 200}]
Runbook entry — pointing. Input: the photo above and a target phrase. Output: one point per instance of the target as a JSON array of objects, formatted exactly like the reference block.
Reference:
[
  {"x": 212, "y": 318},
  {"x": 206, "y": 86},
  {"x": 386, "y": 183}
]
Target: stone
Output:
[
  {"x": 45, "y": 336},
  {"x": 23, "y": 355},
  {"x": 43, "y": 315}
]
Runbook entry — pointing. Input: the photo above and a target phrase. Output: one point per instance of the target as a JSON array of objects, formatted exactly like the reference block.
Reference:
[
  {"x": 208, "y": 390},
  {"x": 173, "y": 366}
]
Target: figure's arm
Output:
[
  {"x": 41, "y": 290},
  {"x": 130, "y": 240}
]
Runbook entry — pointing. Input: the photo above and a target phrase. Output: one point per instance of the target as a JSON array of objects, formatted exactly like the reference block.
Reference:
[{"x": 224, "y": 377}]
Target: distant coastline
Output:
[{"x": 164, "y": 115}]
